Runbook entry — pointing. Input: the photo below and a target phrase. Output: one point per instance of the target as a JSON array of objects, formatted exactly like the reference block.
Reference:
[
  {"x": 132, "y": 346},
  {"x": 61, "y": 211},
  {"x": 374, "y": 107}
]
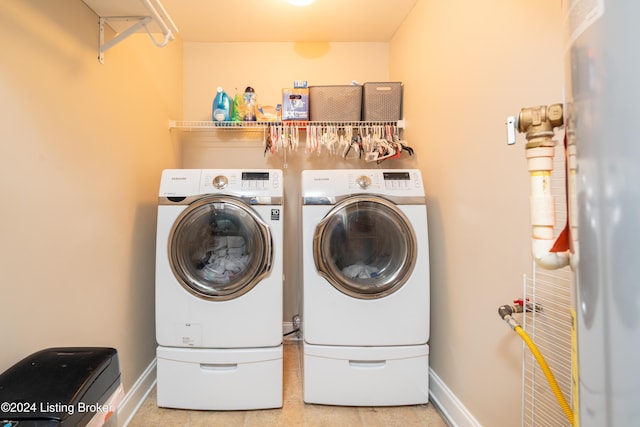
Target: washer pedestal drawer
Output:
[
  {"x": 366, "y": 376},
  {"x": 219, "y": 379}
]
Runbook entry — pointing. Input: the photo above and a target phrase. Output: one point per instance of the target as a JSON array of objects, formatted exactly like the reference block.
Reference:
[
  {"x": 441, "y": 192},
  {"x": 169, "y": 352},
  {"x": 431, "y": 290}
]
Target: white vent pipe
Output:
[{"x": 538, "y": 124}]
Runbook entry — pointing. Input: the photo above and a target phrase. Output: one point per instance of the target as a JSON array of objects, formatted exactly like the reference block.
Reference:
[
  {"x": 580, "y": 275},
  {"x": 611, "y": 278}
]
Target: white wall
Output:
[
  {"x": 81, "y": 150},
  {"x": 467, "y": 66}
]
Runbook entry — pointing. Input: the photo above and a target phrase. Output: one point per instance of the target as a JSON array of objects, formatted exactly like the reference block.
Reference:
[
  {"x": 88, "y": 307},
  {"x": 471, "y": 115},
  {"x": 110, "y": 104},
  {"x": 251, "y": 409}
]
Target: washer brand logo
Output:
[
  {"x": 275, "y": 214},
  {"x": 178, "y": 178},
  {"x": 321, "y": 179}
]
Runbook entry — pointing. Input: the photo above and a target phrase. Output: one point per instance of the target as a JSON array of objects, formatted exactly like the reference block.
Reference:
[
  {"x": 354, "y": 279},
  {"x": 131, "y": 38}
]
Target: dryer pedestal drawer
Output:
[
  {"x": 366, "y": 376},
  {"x": 219, "y": 379}
]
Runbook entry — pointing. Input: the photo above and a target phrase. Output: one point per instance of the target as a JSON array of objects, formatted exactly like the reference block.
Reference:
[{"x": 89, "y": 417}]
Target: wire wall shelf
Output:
[
  {"x": 208, "y": 125},
  {"x": 366, "y": 141},
  {"x": 551, "y": 327}
]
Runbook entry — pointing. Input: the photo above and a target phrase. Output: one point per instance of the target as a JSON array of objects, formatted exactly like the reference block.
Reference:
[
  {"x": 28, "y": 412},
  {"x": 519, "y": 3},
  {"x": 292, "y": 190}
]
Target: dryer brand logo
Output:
[
  {"x": 178, "y": 178},
  {"x": 275, "y": 214}
]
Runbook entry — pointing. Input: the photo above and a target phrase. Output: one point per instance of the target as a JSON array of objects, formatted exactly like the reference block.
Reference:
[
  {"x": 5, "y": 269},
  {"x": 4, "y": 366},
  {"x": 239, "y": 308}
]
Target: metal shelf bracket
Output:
[
  {"x": 140, "y": 21},
  {"x": 156, "y": 15}
]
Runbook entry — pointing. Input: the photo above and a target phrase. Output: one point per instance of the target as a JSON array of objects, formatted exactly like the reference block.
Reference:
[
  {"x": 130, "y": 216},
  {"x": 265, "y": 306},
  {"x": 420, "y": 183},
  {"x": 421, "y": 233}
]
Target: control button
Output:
[
  {"x": 363, "y": 181},
  {"x": 220, "y": 182}
]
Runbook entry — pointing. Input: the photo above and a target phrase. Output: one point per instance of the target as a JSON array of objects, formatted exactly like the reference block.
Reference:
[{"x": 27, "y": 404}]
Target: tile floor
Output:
[{"x": 294, "y": 411}]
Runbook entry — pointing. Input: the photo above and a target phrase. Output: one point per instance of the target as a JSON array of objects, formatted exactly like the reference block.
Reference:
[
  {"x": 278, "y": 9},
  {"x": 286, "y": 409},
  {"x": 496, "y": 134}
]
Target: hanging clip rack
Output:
[{"x": 157, "y": 14}]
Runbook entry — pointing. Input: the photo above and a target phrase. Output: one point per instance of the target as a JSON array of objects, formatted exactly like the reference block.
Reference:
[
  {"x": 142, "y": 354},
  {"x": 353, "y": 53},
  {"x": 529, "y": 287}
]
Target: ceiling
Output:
[{"x": 272, "y": 20}]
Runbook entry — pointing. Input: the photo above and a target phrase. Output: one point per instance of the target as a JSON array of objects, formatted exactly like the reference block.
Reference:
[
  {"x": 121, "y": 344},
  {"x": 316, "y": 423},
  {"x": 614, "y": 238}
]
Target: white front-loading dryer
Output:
[
  {"x": 219, "y": 289},
  {"x": 366, "y": 287}
]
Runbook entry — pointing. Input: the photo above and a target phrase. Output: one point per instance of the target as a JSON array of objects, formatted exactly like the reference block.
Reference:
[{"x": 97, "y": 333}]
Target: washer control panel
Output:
[
  {"x": 238, "y": 182},
  {"x": 242, "y": 182},
  {"x": 343, "y": 182},
  {"x": 386, "y": 181}
]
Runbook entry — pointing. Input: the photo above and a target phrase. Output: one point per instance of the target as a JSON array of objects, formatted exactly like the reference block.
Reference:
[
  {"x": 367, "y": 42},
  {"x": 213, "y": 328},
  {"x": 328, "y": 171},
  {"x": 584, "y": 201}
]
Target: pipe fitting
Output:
[
  {"x": 506, "y": 311},
  {"x": 538, "y": 124},
  {"x": 542, "y": 255}
]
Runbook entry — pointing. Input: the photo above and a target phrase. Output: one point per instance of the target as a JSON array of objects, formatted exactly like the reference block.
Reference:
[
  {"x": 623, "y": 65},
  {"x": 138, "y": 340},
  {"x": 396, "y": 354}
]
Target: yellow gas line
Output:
[
  {"x": 505, "y": 312},
  {"x": 547, "y": 373}
]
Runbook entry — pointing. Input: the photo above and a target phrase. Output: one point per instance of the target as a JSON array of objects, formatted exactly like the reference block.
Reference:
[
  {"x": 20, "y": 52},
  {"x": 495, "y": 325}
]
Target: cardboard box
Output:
[{"x": 295, "y": 104}]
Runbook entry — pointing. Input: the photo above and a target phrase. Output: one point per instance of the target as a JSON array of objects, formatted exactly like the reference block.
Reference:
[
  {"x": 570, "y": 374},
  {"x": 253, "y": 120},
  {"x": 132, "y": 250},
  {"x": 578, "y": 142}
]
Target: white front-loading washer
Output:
[
  {"x": 366, "y": 287},
  {"x": 219, "y": 289}
]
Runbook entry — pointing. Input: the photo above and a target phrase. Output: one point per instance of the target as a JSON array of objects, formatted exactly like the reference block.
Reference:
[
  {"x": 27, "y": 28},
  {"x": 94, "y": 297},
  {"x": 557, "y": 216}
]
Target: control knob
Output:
[
  {"x": 363, "y": 181},
  {"x": 220, "y": 182}
]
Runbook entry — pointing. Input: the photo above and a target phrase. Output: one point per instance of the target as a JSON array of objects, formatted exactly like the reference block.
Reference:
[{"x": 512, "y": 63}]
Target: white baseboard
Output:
[
  {"x": 136, "y": 396},
  {"x": 451, "y": 408}
]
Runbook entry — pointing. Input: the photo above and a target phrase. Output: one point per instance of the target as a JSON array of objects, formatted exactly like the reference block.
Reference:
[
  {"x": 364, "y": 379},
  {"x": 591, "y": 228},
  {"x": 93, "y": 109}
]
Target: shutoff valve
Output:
[{"x": 538, "y": 124}]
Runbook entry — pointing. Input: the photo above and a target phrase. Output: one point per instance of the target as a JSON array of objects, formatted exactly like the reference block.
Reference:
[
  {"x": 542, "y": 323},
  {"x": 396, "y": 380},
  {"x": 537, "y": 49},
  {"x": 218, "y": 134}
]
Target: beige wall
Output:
[
  {"x": 82, "y": 146},
  {"x": 467, "y": 66},
  {"x": 81, "y": 149},
  {"x": 268, "y": 67}
]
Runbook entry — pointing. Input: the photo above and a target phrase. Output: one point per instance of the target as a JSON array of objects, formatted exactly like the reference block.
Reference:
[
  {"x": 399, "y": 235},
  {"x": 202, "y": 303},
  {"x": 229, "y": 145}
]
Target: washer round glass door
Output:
[
  {"x": 219, "y": 248},
  {"x": 365, "y": 247}
]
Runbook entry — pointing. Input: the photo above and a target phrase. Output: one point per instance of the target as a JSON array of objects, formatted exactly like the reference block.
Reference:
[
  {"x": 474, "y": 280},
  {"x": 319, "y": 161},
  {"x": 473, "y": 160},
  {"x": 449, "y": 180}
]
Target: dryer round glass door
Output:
[
  {"x": 219, "y": 248},
  {"x": 365, "y": 247}
]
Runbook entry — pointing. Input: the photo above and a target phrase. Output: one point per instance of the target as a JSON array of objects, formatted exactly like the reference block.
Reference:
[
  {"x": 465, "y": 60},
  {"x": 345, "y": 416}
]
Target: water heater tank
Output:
[{"x": 603, "y": 117}]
